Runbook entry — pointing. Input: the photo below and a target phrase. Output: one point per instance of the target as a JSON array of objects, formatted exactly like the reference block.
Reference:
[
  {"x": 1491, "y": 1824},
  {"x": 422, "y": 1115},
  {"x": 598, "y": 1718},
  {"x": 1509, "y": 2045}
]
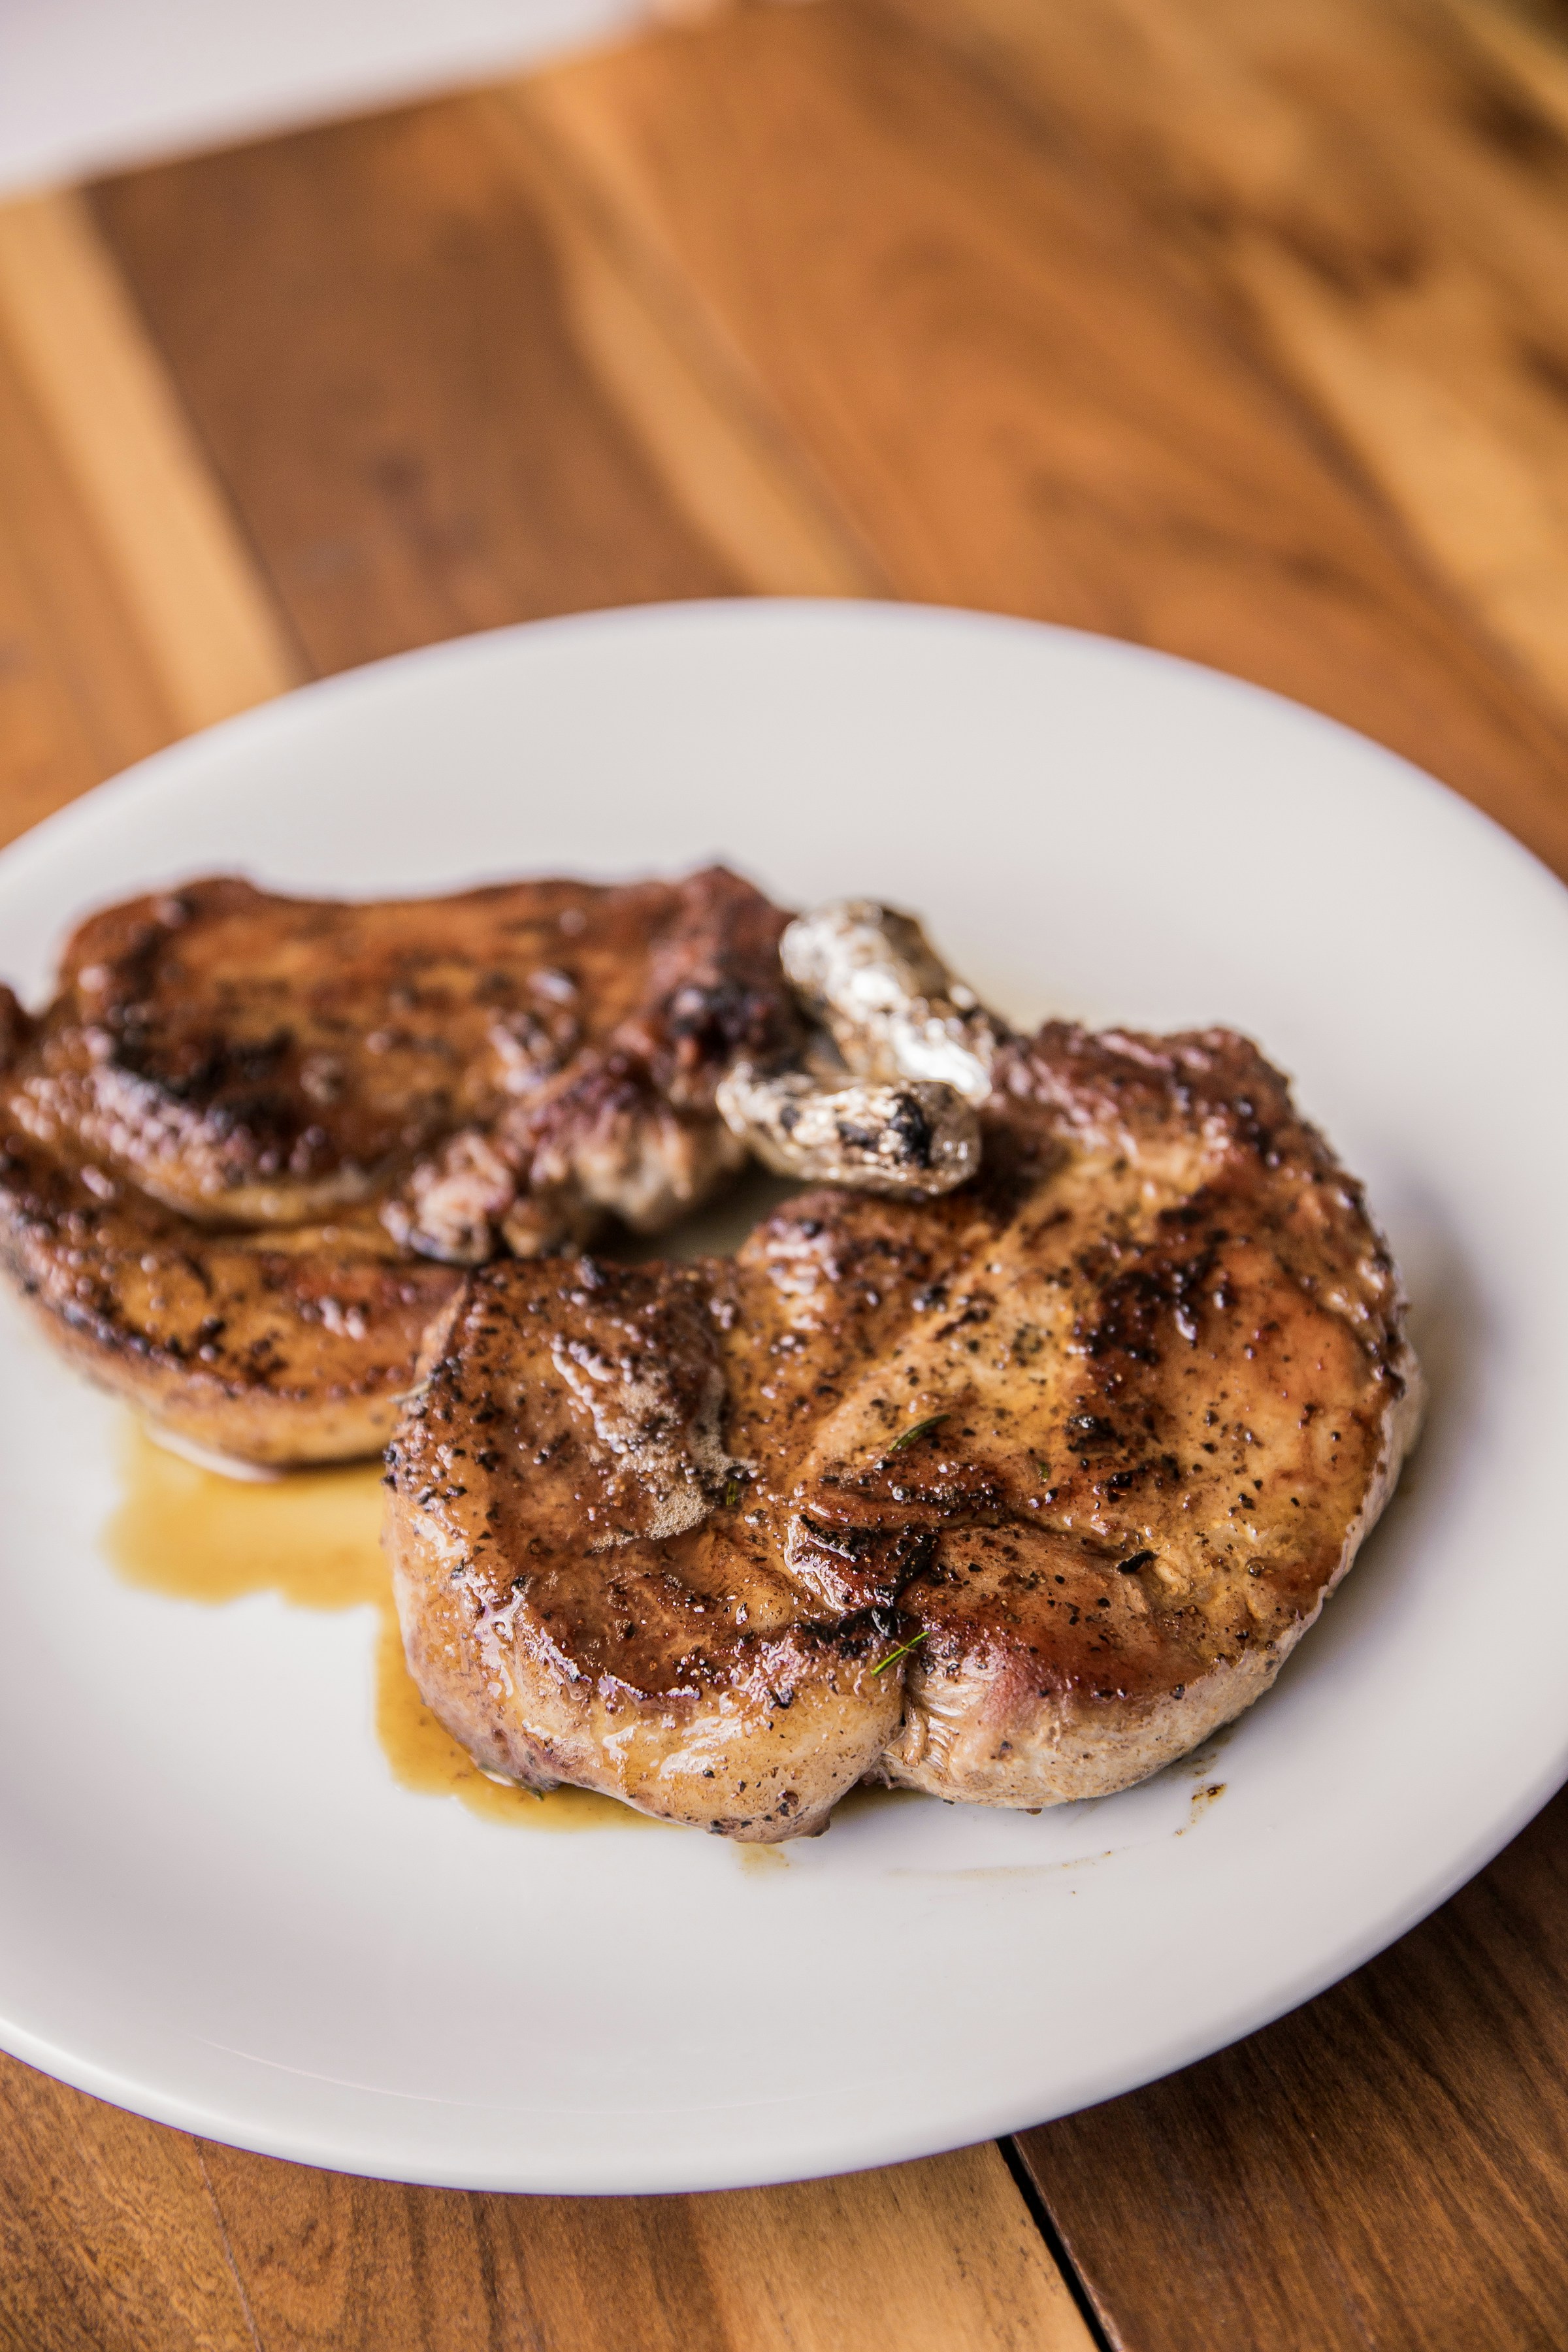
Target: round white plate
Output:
[{"x": 219, "y": 1908}]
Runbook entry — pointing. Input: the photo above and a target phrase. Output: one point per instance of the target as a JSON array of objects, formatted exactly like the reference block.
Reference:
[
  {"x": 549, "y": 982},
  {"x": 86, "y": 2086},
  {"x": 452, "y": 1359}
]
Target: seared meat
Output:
[
  {"x": 583, "y": 1595},
  {"x": 268, "y": 1347},
  {"x": 232, "y": 1146},
  {"x": 251, "y": 1059},
  {"x": 1013, "y": 1496}
]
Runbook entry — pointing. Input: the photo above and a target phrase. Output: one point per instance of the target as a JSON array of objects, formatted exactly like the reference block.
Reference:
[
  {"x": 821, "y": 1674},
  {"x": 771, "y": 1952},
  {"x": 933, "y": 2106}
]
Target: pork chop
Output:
[
  {"x": 1012, "y": 1495},
  {"x": 271, "y": 1345},
  {"x": 540, "y": 1051},
  {"x": 234, "y": 1143}
]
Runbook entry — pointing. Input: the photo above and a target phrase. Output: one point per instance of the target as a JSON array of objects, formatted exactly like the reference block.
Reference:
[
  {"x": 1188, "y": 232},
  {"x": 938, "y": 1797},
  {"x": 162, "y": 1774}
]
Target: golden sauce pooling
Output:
[{"x": 313, "y": 1537}]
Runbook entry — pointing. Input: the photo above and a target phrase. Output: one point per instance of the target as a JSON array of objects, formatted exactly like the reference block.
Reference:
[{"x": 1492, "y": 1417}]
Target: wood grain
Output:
[
  {"x": 400, "y": 409},
  {"x": 1387, "y": 2167},
  {"x": 130, "y": 609},
  {"x": 78, "y": 697},
  {"x": 1384, "y": 188},
  {"x": 967, "y": 327},
  {"x": 705, "y": 422},
  {"x": 933, "y": 2257},
  {"x": 120, "y": 2236},
  {"x": 1519, "y": 40},
  {"x": 210, "y": 634},
  {"x": 115, "y": 2234},
  {"x": 110, "y": 2239}
]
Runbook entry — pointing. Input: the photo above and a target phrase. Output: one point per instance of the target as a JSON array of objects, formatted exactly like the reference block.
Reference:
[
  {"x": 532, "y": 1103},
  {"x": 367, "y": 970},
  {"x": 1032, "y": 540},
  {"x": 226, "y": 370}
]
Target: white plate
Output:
[{"x": 220, "y": 1910}]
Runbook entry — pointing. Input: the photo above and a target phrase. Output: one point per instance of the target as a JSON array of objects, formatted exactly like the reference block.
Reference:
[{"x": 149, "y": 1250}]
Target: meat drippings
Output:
[{"x": 313, "y": 1538}]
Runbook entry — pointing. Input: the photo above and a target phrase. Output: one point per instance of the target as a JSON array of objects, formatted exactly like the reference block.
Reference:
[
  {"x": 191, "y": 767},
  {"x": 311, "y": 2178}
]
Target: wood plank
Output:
[
  {"x": 130, "y": 610},
  {"x": 400, "y": 408},
  {"x": 704, "y": 421},
  {"x": 1387, "y": 2167},
  {"x": 110, "y": 2239},
  {"x": 78, "y": 694},
  {"x": 1385, "y": 187},
  {"x": 117, "y": 2233},
  {"x": 1521, "y": 42},
  {"x": 209, "y": 635},
  {"x": 933, "y": 2257},
  {"x": 976, "y": 342}
]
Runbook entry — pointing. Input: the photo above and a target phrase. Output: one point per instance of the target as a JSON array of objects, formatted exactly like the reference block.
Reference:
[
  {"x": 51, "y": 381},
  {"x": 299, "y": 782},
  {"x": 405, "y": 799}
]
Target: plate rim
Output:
[{"x": 55, "y": 836}]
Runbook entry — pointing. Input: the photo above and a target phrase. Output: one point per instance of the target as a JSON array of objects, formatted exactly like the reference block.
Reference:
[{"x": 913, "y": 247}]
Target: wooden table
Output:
[{"x": 1237, "y": 329}]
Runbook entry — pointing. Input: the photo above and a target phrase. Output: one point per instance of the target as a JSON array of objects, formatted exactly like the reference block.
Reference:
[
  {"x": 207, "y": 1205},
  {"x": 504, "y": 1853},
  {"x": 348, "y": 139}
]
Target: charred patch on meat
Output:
[
  {"x": 279, "y": 1095},
  {"x": 254, "y": 1059}
]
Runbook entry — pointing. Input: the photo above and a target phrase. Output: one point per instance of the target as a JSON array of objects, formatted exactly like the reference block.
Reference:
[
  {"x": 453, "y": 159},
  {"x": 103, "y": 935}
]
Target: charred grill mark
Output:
[{"x": 1141, "y": 1294}]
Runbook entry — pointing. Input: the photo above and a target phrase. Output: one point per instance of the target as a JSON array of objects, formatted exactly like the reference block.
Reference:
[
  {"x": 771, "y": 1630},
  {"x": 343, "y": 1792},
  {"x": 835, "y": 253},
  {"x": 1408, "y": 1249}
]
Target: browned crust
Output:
[
  {"x": 207, "y": 1137},
  {"x": 1095, "y": 1435},
  {"x": 248, "y": 1057},
  {"x": 268, "y": 1354},
  {"x": 1007, "y": 1737},
  {"x": 552, "y": 1632}
]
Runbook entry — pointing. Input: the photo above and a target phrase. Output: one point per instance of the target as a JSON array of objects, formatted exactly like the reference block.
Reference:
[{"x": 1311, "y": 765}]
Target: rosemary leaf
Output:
[
  {"x": 894, "y": 1655},
  {"x": 909, "y": 1436}
]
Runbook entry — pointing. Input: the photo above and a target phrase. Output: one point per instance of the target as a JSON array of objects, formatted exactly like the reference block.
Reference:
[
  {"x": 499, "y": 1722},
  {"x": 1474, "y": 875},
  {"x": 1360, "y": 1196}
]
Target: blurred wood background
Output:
[{"x": 1239, "y": 330}]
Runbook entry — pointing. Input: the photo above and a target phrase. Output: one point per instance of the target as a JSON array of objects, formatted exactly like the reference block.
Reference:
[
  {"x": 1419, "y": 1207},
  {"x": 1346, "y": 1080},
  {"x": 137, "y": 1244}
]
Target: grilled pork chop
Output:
[
  {"x": 1012, "y": 1495},
  {"x": 269, "y": 1346},
  {"x": 233, "y": 1144},
  {"x": 250, "y": 1059}
]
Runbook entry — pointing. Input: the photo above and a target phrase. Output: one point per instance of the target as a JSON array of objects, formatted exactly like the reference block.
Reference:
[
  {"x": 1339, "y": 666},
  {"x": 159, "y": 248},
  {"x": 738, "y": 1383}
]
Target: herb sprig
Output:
[
  {"x": 894, "y": 1655},
  {"x": 908, "y": 1436}
]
